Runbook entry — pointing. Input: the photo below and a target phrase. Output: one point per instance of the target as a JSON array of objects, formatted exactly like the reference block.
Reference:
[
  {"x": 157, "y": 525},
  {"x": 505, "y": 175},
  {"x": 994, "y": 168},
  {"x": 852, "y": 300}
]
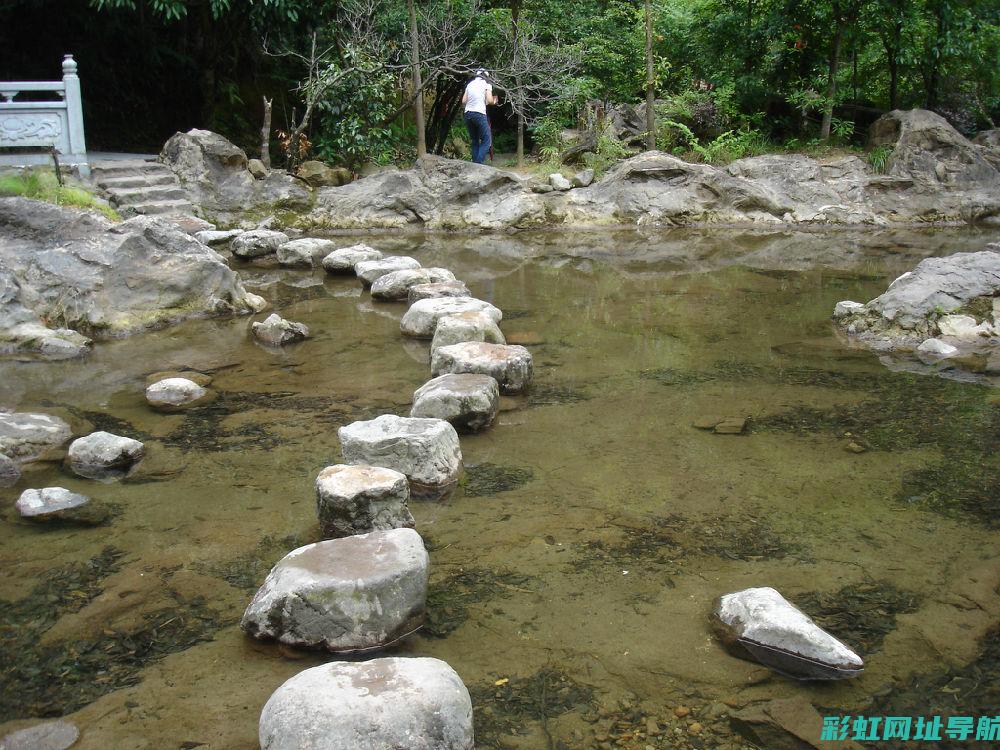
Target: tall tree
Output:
[
  {"x": 650, "y": 81},
  {"x": 418, "y": 96}
]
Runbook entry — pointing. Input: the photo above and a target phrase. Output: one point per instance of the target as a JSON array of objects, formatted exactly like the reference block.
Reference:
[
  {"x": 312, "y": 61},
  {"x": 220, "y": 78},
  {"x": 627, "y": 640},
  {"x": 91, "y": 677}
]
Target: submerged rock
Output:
[
  {"x": 10, "y": 472},
  {"x": 276, "y": 331},
  {"x": 511, "y": 366},
  {"x": 304, "y": 253},
  {"x": 175, "y": 393},
  {"x": 359, "y": 593},
  {"x": 422, "y": 317},
  {"x": 60, "y": 505},
  {"x": 358, "y": 499},
  {"x": 468, "y": 402},
  {"x": 433, "y": 291},
  {"x": 52, "y": 735},
  {"x": 937, "y": 348},
  {"x": 416, "y": 703},
  {"x": 99, "y": 451},
  {"x": 468, "y": 326},
  {"x": 258, "y": 242},
  {"x": 26, "y": 437},
  {"x": 786, "y": 723},
  {"x": 369, "y": 271},
  {"x": 427, "y": 451},
  {"x": 762, "y": 624},
  {"x": 344, "y": 259},
  {"x": 396, "y": 286}
]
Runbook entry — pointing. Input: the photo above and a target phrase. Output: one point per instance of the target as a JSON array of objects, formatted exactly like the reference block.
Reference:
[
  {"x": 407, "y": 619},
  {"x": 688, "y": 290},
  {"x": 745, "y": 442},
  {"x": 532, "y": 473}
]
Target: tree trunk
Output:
[
  {"x": 418, "y": 100},
  {"x": 515, "y": 17},
  {"x": 650, "y": 81},
  {"x": 934, "y": 76},
  {"x": 831, "y": 82},
  {"x": 265, "y": 134}
]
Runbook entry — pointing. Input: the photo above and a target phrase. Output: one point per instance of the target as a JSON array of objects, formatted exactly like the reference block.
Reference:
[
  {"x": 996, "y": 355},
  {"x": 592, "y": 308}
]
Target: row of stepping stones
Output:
[{"x": 365, "y": 589}]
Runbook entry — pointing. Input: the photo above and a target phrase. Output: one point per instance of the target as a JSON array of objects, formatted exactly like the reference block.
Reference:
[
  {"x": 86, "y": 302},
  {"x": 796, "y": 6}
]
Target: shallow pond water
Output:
[{"x": 574, "y": 570}]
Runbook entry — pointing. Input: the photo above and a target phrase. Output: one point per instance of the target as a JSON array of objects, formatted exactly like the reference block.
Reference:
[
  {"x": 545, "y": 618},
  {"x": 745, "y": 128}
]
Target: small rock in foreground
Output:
[
  {"x": 10, "y": 472},
  {"x": 510, "y": 365},
  {"x": 469, "y": 402},
  {"x": 359, "y": 593},
  {"x": 344, "y": 259},
  {"x": 441, "y": 289},
  {"x": 370, "y": 271},
  {"x": 423, "y": 316},
  {"x": 175, "y": 393},
  {"x": 417, "y": 703},
  {"x": 427, "y": 451},
  {"x": 59, "y": 504},
  {"x": 52, "y": 735},
  {"x": 258, "y": 243},
  {"x": 761, "y": 624},
  {"x": 89, "y": 455},
  {"x": 276, "y": 331},
  {"x": 359, "y": 499}
]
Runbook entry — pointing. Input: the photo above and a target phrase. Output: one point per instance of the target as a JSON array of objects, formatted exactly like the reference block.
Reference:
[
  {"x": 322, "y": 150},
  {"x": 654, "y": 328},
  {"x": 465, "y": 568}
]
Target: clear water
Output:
[{"x": 581, "y": 557}]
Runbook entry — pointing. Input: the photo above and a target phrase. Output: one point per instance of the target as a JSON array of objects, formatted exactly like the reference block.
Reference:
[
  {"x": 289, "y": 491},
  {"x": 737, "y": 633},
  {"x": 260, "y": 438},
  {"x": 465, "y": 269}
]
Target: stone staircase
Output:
[{"x": 137, "y": 186}]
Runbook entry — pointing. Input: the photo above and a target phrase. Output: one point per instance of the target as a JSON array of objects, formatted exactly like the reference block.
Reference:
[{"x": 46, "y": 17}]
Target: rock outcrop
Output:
[
  {"x": 413, "y": 703},
  {"x": 66, "y": 275}
]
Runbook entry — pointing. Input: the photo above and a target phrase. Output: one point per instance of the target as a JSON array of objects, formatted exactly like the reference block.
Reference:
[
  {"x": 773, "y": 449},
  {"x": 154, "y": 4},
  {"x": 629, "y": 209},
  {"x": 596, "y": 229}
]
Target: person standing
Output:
[{"x": 477, "y": 95}]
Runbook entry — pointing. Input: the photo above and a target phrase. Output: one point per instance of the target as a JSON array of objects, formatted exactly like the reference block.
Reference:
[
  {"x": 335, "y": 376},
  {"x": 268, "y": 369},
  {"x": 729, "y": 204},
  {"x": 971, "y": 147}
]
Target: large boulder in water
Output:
[
  {"x": 761, "y": 624},
  {"x": 103, "y": 279},
  {"x": 416, "y": 703},
  {"x": 358, "y": 593}
]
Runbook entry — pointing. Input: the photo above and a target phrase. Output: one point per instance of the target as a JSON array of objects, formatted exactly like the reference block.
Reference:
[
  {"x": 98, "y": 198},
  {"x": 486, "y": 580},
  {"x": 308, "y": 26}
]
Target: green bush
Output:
[
  {"x": 45, "y": 187},
  {"x": 879, "y": 158}
]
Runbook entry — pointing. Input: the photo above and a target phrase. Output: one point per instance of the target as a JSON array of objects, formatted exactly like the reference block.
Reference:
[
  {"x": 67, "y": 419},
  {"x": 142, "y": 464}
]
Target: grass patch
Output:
[{"x": 45, "y": 187}]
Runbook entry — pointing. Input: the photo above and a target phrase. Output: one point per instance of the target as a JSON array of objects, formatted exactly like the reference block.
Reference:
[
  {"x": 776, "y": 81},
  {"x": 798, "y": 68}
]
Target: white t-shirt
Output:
[{"x": 477, "y": 91}]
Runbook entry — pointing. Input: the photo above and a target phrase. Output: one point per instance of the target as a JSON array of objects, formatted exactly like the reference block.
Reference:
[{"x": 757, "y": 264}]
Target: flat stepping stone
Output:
[
  {"x": 466, "y": 326},
  {"x": 721, "y": 425},
  {"x": 469, "y": 402},
  {"x": 359, "y": 593},
  {"x": 52, "y": 735},
  {"x": 395, "y": 286},
  {"x": 441, "y": 289},
  {"x": 304, "y": 253},
  {"x": 511, "y": 365},
  {"x": 416, "y": 703},
  {"x": 100, "y": 454},
  {"x": 215, "y": 237},
  {"x": 344, "y": 259},
  {"x": 370, "y": 271},
  {"x": 10, "y": 471},
  {"x": 57, "y": 504},
  {"x": 427, "y": 451},
  {"x": 422, "y": 317},
  {"x": 26, "y": 437},
  {"x": 358, "y": 499},
  {"x": 276, "y": 331},
  {"x": 258, "y": 243},
  {"x": 173, "y": 394},
  {"x": 760, "y": 624}
]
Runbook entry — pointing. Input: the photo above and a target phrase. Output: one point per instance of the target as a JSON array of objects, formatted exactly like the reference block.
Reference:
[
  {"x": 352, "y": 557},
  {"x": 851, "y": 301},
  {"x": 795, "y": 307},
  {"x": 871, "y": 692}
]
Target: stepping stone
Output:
[
  {"x": 762, "y": 625},
  {"x": 60, "y": 505},
  {"x": 359, "y": 499},
  {"x": 258, "y": 243},
  {"x": 26, "y": 437},
  {"x": 370, "y": 271},
  {"x": 510, "y": 365},
  {"x": 442, "y": 289},
  {"x": 425, "y": 450},
  {"x": 422, "y": 317},
  {"x": 276, "y": 331},
  {"x": 467, "y": 326},
  {"x": 214, "y": 237},
  {"x": 395, "y": 286},
  {"x": 10, "y": 472},
  {"x": 344, "y": 259},
  {"x": 304, "y": 253},
  {"x": 847, "y": 307},
  {"x": 468, "y": 402},
  {"x": 359, "y": 593},
  {"x": 937, "y": 349},
  {"x": 172, "y": 394},
  {"x": 52, "y": 735},
  {"x": 99, "y": 454},
  {"x": 416, "y": 703}
]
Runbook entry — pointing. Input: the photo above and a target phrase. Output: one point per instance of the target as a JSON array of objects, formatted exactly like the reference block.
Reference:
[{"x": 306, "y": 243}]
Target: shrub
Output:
[{"x": 45, "y": 187}]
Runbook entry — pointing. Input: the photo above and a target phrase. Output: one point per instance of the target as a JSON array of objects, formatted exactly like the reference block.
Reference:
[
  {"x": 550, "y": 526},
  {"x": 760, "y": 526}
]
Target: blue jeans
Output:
[{"x": 479, "y": 134}]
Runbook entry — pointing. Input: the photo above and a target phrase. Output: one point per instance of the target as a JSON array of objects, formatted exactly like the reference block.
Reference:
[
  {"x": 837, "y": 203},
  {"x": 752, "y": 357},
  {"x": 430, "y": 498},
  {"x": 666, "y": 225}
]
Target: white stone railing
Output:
[{"x": 56, "y": 123}]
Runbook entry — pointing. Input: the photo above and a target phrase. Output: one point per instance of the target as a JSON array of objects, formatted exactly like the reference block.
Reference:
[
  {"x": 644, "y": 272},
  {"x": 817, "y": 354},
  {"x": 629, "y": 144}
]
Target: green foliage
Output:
[
  {"x": 43, "y": 186},
  {"x": 879, "y": 158}
]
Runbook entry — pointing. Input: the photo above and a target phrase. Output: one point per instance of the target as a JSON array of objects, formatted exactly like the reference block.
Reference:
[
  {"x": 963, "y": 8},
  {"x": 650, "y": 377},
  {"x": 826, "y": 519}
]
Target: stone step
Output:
[
  {"x": 164, "y": 207},
  {"x": 136, "y": 181},
  {"x": 127, "y": 168},
  {"x": 142, "y": 195}
]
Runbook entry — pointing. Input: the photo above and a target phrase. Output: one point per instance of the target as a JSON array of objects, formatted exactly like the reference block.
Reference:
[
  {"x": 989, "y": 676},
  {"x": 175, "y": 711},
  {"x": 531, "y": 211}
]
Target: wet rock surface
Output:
[
  {"x": 26, "y": 437},
  {"x": 510, "y": 365},
  {"x": 458, "y": 328},
  {"x": 422, "y": 317},
  {"x": 396, "y": 286},
  {"x": 357, "y": 499},
  {"x": 359, "y": 593},
  {"x": 214, "y": 237},
  {"x": 52, "y": 735},
  {"x": 425, "y": 450},
  {"x": 10, "y": 472},
  {"x": 91, "y": 455},
  {"x": 258, "y": 242},
  {"x": 786, "y": 723},
  {"x": 344, "y": 259},
  {"x": 432, "y": 291},
  {"x": 276, "y": 331},
  {"x": 762, "y": 624},
  {"x": 175, "y": 393},
  {"x": 469, "y": 402},
  {"x": 418, "y": 703},
  {"x": 369, "y": 271},
  {"x": 57, "y": 504},
  {"x": 304, "y": 253}
]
